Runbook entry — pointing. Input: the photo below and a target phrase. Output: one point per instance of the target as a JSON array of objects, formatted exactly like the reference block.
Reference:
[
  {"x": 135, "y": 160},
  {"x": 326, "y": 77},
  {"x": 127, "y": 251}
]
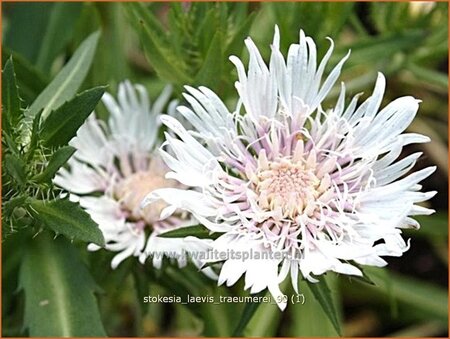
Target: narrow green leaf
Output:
[
  {"x": 59, "y": 29},
  {"x": 29, "y": 79},
  {"x": 235, "y": 46},
  {"x": 173, "y": 280},
  {"x": 206, "y": 25},
  {"x": 35, "y": 136},
  {"x": 435, "y": 46},
  {"x": 27, "y": 22},
  {"x": 67, "y": 218},
  {"x": 210, "y": 73},
  {"x": 138, "y": 8},
  {"x": 378, "y": 13},
  {"x": 113, "y": 49},
  {"x": 58, "y": 159},
  {"x": 356, "y": 23},
  {"x": 66, "y": 83},
  {"x": 322, "y": 294},
  {"x": 425, "y": 296},
  {"x": 384, "y": 279},
  {"x": 264, "y": 322},
  {"x": 218, "y": 318},
  {"x": 15, "y": 168},
  {"x": 365, "y": 278},
  {"x": 247, "y": 314},
  {"x": 13, "y": 251},
  {"x": 425, "y": 299},
  {"x": 309, "y": 314},
  {"x": 186, "y": 282},
  {"x": 241, "y": 11},
  {"x": 59, "y": 291},
  {"x": 162, "y": 59},
  {"x": 431, "y": 76},
  {"x": 142, "y": 284},
  {"x": 337, "y": 14},
  {"x": 9, "y": 143},
  {"x": 432, "y": 225},
  {"x": 62, "y": 124},
  {"x": 11, "y": 111},
  {"x": 378, "y": 48},
  {"x": 198, "y": 231},
  {"x": 156, "y": 49}
]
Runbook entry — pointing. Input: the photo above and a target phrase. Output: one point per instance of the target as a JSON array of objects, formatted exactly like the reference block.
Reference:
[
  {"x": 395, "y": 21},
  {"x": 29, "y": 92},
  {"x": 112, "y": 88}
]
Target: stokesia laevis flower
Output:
[
  {"x": 281, "y": 175},
  {"x": 114, "y": 167}
]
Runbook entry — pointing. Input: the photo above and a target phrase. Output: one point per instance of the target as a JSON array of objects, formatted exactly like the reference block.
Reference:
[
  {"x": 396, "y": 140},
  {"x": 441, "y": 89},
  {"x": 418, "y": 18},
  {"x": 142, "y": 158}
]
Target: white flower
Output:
[
  {"x": 281, "y": 175},
  {"x": 114, "y": 167}
]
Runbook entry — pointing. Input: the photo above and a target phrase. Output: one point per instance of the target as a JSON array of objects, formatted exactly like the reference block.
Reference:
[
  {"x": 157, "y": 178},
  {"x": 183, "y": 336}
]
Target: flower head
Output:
[
  {"x": 112, "y": 170},
  {"x": 280, "y": 174}
]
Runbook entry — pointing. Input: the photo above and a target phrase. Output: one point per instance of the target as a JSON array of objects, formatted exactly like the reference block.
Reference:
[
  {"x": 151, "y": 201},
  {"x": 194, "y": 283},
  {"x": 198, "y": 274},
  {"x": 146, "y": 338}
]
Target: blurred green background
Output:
[{"x": 180, "y": 43}]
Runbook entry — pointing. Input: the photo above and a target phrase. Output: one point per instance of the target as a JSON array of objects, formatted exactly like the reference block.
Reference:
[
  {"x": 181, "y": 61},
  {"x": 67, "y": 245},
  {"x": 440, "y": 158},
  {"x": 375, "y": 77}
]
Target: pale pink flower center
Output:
[
  {"x": 132, "y": 190},
  {"x": 291, "y": 186}
]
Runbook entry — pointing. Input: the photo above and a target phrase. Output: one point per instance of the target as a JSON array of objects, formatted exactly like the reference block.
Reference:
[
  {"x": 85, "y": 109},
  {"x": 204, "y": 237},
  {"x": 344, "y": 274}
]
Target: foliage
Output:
[
  {"x": 34, "y": 146},
  {"x": 57, "y": 56},
  {"x": 58, "y": 286},
  {"x": 201, "y": 36}
]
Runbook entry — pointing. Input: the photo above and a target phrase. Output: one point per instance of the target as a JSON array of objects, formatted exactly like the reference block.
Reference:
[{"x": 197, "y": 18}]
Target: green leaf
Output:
[
  {"x": 142, "y": 284},
  {"x": 198, "y": 231},
  {"x": 322, "y": 294},
  {"x": 27, "y": 22},
  {"x": 375, "y": 49},
  {"x": 67, "y": 218},
  {"x": 66, "y": 83},
  {"x": 62, "y": 124},
  {"x": 58, "y": 32},
  {"x": 264, "y": 322},
  {"x": 58, "y": 159},
  {"x": 236, "y": 45},
  {"x": 247, "y": 314},
  {"x": 157, "y": 51},
  {"x": 163, "y": 61},
  {"x": 113, "y": 49},
  {"x": 364, "y": 278},
  {"x": 435, "y": 225},
  {"x": 428, "y": 297},
  {"x": 384, "y": 278},
  {"x": 138, "y": 9},
  {"x": 12, "y": 113},
  {"x": 29, "y": 79},
  {"x": 35, "y": 136},
  {"x": 211, "y": 71},
  {"x": 309, "y": 314},
  {"x": 431, "y": 76},
  {"x": 207, "y": 27},
  {"x": 337, "y": 14},
  {"x": 173, "y": 280},
  {"x": 15, "y": 168},
  {"x": 59, "y": 291},
  {"x": 14, "y": 248},
  {"x": 182, "y": 282}
]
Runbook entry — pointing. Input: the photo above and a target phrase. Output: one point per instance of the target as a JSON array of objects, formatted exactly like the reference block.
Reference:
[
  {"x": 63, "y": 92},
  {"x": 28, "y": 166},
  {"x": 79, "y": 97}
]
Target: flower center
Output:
[
  {"x": 132, "y": 190},
  {"x": 289, "y": 187}
]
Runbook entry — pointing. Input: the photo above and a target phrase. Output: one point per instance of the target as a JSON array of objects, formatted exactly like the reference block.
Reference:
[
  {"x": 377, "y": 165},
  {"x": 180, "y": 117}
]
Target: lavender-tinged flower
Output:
[
  {"x": 114, "y": 167},
  {"x": 280, "y": 174}
]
